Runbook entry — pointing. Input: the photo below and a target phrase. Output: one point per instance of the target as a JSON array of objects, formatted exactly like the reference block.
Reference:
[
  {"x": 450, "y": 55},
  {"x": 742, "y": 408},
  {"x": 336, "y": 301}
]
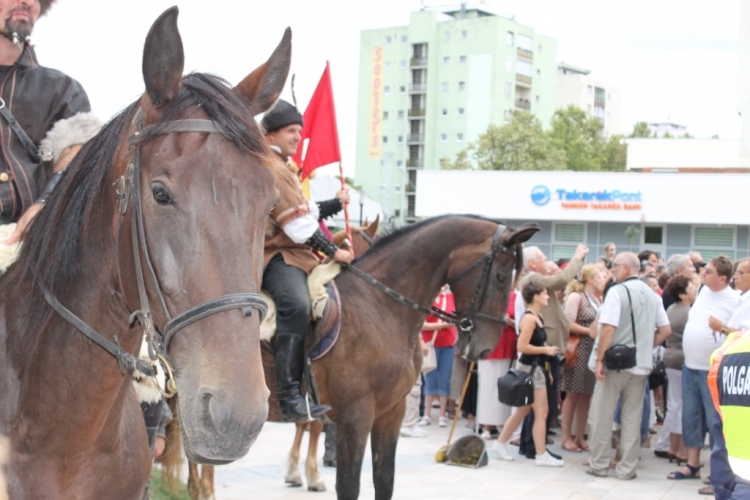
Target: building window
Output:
[
  {"x": 447, "y": 35},
  {"x": 402, "y": 64},
  {"x": 713, "y": 241},
  {"x": 566, "y": 239},
  {"x": 388, "y": 40},
  {"x": 509, "y": 39},
  {"x": 397, "y": 188},
  {"x": 399, "y": 163},
  {"x": 460, "y": 111},
  {"x": 404, "y": 39},
  {"x": 386, "y": 90},
  {"x": 446, "y": 61},
  {"x": 508, "y": 88},
  {"x": 460, "y": 137},
  {"x": 385, "y": 139},
  {"x": 402, "y": 89},
  {"x": 588, "y": 108},
  {"x": 445, "y": 86},
  {"x": 385, "y": 115},
  {"x": 539, "y": 72},
  {"x": 401, "y": 115},
  {"x": 539, "y": 49},
  {"x": 387, "y": 65},
  {"x": 461, "y": 86},
  {"x": 464, "y": 34},
  {"x": 525, "y": 42},
  {"x": 400, "y": 140},
  {"x": 462, "y": 60},
  {"x": 443, "y": 137},
  {"x": 506, "y": 114},
  {"x": 524, "y": 67},
  {"x": 537, "y": 98},
  {"x": 509, "y": 64},
  {"x": 589, "y": 90},
  {"x": 444, "y": 112}
]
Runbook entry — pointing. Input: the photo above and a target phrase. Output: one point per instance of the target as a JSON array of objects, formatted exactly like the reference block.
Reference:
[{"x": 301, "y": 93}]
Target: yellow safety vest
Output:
[{"x": 729, "y": 383}]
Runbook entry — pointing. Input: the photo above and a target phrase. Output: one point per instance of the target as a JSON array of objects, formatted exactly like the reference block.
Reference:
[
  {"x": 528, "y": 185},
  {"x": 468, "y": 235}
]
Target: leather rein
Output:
[
  {"x": 129, "y": 188},
  {"x": 464, "y": 320}
]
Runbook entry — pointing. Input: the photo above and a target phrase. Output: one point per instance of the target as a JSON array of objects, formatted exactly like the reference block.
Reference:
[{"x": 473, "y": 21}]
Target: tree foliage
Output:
[{"x": 573, "y": 142}]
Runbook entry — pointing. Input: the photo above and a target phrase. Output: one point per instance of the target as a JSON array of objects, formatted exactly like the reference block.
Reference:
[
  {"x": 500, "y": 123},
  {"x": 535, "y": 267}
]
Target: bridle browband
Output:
[
  {"x": 128, "y": 187},
  {"x": 464, "y": 320}
]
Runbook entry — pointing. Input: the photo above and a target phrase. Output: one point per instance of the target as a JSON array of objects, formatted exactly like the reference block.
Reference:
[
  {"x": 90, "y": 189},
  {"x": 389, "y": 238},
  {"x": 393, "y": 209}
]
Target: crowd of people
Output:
[{"x": 567, "y": 321}]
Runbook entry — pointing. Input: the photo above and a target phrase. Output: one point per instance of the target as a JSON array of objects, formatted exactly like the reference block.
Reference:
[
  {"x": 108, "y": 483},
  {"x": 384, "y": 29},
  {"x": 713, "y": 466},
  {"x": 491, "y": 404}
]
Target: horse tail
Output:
[{"x": 172, "y": 459}]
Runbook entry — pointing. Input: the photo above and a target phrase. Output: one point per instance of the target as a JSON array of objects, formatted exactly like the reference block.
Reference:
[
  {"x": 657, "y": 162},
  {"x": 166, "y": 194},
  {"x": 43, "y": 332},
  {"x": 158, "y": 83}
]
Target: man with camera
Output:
[{"x": 632, "y": 321}]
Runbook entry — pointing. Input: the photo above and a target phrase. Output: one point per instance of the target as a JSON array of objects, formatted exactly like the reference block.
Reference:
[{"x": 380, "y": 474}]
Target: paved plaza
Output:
[{"x": 260, "y": 475}]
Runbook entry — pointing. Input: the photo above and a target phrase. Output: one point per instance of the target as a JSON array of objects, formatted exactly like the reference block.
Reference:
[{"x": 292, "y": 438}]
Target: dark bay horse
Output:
[
  {"x": 367, "y": 375},
  {"x": 198, "y": 179}
]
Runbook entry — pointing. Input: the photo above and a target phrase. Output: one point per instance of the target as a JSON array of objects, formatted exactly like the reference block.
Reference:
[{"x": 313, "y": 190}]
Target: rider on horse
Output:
[
  {"x": 52, "y": 113},
  {"x": 291, "y": 235}
]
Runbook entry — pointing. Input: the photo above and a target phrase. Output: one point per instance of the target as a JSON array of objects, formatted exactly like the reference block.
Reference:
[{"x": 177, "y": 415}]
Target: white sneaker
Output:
[
  {"x": 424, "y": 421},
  {"x": 548, "y": 460},
  {"x": 442, "y": 422},
  {"x": 413, "y": 431},
  {"x": 486, "y": 435},
  {"x": 501, "y": 451}
]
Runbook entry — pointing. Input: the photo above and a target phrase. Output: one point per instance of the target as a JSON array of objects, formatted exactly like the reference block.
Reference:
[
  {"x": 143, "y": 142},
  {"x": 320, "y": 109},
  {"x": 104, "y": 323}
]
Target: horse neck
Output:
[{"x": 67, "y": 370}]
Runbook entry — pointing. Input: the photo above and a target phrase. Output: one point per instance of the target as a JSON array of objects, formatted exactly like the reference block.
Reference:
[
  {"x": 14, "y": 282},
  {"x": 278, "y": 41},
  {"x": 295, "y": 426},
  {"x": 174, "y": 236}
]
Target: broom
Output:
[{"x": 442, "y": 453}]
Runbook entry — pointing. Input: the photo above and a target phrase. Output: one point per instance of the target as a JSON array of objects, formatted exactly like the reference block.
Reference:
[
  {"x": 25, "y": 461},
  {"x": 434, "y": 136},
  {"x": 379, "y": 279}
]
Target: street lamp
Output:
[{"x": 361, "y": 205}]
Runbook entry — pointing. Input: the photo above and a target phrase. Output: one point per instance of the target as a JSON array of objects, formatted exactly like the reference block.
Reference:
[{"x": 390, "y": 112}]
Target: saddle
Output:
[{"x": 325, "y": 315}]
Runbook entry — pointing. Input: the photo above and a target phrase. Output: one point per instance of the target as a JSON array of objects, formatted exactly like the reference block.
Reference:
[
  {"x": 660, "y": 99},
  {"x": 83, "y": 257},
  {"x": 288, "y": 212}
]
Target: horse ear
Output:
[
  {"x": 372, "y": 229},
  {"x": 163, "y": 58},
  {"x": 263, "y": 86},
  {"x": 366, "y": 223},
  {"x": 522, "y": 234}
]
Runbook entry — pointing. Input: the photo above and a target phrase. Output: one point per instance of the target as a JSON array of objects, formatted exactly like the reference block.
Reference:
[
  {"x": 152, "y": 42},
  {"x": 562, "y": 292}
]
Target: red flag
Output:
[{"x": 320, "y": 128}]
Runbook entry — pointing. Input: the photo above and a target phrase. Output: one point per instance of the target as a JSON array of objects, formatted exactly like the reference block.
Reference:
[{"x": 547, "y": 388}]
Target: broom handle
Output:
[{"x": 460, "y": 402}]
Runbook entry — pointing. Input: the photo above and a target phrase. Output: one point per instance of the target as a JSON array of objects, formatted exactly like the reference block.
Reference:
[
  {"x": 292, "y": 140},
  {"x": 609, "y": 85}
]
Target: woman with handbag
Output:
[
  {"x": 441, "y": 336},
  {"x": 535, "y": 354},
  {"x": 582, "y": 301}
]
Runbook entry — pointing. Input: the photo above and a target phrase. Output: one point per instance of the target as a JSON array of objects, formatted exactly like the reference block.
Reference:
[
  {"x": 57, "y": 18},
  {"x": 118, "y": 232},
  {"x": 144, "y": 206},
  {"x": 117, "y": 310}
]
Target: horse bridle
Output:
[
  {"x": 464, "y": 320},
  {"x": 128, "y": 187}
]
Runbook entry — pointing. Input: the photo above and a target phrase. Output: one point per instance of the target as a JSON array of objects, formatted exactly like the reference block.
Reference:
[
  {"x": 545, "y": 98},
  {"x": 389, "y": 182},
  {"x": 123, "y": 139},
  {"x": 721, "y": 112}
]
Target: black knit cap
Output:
[{"x": 282, "y": 115}]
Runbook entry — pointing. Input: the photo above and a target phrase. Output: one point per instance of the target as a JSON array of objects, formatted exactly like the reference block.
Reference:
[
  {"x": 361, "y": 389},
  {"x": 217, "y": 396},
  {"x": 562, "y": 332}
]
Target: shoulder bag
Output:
[
  {"x": 571, "y": 348},
  {"x": 620, "y": 356},
  {"x": 516, "y": 388},
  {"x": 429, "y": 361}
]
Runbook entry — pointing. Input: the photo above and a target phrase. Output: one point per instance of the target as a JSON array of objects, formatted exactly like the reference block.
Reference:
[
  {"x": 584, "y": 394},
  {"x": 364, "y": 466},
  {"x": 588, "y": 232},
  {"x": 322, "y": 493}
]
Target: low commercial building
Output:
[{"x": 665, "y": 212}]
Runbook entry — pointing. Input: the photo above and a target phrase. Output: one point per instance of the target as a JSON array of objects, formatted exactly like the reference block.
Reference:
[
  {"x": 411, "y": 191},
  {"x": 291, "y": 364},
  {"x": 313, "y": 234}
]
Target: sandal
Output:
[
  {"x": 695, "y": 473},
  {"x": 706, "y": 490},
  {"x": 583, "y": 445},
  {"x": 571, "y": 447}
]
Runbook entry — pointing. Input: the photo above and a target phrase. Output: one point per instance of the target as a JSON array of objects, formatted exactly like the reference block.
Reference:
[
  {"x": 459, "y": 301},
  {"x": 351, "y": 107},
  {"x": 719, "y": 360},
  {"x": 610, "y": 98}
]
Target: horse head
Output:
[
  {"x": 206, "y": 189},
  {"x": 481, "y": 281}
]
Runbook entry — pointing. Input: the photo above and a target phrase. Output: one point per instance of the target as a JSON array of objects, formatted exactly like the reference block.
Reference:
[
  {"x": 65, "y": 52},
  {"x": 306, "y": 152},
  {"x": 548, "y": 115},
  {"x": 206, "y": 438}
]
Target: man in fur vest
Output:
[
  {"x": 43, "y": 116},
  {"x": 291, "y": 235}
]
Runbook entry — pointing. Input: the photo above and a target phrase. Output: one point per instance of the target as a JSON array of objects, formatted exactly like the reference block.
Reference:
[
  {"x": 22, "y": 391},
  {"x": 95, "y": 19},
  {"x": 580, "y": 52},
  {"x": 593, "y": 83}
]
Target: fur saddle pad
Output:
[
  {"x": 326, "y": 311},
  {"x": 8, "y": 253}
]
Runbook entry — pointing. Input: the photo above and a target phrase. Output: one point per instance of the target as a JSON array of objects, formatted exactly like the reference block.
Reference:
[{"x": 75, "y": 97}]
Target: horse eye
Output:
[
  {"x": 501, "y": 277},
  {"x": 161, "y": 195}
]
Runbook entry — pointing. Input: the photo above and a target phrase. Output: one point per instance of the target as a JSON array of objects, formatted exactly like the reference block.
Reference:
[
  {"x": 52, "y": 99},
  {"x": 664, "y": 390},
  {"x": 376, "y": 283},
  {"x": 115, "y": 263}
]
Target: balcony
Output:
[
  {"x": 419, "y": 163},
  {"x": 416, "y": 113},
  {"x": 417, "y": 88},
  {"x": 418, "y": 62},
  {"x": 523, "y": 80},
  {"x": 598, "y": 102},
  {"x": 526, "y": 54},
  {"x": 523, "y": 104},
  {"x": 415, "y": 139}
]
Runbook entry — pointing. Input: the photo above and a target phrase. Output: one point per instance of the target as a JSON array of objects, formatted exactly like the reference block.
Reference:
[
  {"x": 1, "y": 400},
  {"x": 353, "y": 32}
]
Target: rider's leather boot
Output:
[{"x": 289, "y": 364}]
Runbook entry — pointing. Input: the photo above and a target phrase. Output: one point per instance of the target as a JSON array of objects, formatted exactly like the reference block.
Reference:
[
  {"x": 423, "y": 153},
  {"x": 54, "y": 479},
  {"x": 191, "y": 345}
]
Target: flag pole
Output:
[{"x": 346, "y": 210}]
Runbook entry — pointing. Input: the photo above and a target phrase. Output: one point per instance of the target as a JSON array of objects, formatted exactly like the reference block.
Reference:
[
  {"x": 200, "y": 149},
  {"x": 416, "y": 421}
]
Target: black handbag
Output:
[
  {"x": 658, "y": 376},
  {"x": 620, "y": 356},
  {"x": 516, "y": 388}
]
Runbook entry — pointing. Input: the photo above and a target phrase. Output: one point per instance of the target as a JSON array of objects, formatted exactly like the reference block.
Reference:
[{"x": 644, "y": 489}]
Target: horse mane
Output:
[{"x": 50, "y": 254}]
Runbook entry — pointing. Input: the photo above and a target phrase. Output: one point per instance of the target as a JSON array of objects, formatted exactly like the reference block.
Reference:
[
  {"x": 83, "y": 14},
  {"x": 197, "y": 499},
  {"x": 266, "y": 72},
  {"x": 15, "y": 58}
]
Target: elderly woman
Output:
[
  {"x": 683, "y": 291},
  {"x": 582, "y": 301}
]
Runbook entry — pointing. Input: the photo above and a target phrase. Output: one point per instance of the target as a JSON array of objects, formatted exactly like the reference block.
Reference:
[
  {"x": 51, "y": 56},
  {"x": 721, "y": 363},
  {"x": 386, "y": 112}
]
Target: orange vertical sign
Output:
[{"x": 376, "y": 104}]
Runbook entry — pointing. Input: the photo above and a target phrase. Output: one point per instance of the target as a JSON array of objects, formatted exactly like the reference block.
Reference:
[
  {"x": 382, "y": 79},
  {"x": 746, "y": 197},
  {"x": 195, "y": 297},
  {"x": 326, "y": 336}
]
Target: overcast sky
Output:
[{"x": 672, "y": 59}]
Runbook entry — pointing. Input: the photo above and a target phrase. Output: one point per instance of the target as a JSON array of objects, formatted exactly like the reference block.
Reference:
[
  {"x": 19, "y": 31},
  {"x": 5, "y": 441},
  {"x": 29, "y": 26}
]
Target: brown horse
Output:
[
  {"x": 201, "y": 478},
  {"x": 198, "y": 180}
]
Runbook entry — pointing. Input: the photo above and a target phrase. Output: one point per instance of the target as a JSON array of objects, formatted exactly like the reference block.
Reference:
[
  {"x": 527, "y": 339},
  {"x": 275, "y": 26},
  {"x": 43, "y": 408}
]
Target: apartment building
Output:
[{"x": 576, "y": 86}]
